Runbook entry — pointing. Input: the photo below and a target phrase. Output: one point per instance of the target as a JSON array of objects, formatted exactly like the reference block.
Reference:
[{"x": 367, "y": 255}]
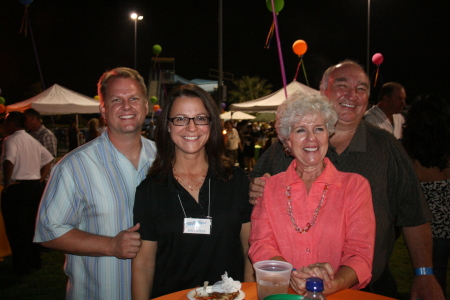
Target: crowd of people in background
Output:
[{"x": 246, "y": 141}]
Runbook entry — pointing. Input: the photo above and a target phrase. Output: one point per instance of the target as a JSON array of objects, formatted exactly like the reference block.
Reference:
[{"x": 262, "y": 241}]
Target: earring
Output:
[{"x": 287, "y": 151}]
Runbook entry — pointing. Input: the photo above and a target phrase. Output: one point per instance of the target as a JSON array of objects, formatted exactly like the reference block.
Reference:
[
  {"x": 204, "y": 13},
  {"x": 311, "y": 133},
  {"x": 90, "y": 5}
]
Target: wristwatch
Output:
[{"x": 423, "y": 271}]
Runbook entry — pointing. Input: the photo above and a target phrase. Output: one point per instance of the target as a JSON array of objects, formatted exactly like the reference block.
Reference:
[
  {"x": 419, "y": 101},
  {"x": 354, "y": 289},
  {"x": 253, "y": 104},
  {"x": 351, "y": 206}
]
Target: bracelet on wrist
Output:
[{"x": 423, "y": 271}]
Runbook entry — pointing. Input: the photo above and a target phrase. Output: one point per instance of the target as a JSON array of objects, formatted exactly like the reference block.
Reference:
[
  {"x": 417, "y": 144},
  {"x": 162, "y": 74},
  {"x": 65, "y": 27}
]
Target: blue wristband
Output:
[{"x": 423, "y": 271}]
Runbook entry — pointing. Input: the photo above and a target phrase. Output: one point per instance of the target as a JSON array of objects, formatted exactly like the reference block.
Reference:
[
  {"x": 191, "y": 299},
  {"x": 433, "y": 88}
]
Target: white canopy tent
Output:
[
  {"x": 271, "y": 102},
  {"x": 57, "y": 100},
  {"x": 236, "y": 115}
]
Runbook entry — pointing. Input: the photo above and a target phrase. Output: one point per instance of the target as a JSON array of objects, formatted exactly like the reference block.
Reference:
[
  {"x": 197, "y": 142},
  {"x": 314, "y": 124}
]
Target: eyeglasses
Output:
[{"x": 183, "y": 121}]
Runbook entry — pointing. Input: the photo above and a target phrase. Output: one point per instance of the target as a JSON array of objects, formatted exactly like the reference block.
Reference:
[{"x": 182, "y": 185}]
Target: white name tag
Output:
[{"x": 197, "y": 226}]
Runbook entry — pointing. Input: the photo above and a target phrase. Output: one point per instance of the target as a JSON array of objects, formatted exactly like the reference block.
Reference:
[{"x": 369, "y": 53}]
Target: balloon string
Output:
[
  {"x": 376, "y": 76},
  {"x": 24, "y": 26},
  {"x": 269, "y": 36},
  {"x": 298, "y": 67},
  {"x": 304, "y": 72},
  {"x": 280, "y": 54}
]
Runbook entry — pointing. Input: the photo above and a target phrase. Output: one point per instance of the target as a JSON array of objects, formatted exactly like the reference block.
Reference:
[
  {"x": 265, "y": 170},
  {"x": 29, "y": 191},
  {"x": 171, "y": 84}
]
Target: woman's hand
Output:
[{"x": 321, "y": 270}]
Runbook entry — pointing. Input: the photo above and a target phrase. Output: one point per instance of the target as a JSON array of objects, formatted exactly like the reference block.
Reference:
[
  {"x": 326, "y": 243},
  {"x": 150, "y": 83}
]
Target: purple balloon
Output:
[
  {"x": 158, "y": 111},
  {"x": 224, "y": 105}
]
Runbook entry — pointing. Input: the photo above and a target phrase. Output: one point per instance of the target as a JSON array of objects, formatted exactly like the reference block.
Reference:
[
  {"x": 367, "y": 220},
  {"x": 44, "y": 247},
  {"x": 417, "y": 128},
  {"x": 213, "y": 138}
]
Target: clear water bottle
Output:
[{"x": 314, "y": 289}]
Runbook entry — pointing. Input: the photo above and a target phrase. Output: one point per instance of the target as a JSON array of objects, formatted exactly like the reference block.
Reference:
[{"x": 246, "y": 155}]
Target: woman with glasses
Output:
[{"x": 193, "y": 207}]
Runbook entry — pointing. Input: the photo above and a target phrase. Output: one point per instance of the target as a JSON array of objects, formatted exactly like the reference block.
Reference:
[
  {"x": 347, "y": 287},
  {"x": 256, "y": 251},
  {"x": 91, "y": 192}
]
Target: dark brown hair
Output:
[{"x": 221, "y": 167}]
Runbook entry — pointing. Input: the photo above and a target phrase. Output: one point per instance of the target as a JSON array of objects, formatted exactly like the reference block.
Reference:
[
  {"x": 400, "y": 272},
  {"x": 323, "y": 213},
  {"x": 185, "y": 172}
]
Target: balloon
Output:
[
  {"x": 158, "y": 111},
  {"x": 278, "y": 4},
  {"x": 2, "y": 108},
  {"x": 224, "y": 105},
  {"x": 96, "y": 97},
  {"x": 156, "y": 107},
  {"x": 153, "y": 99},
  {"x": 157, "y": 49},
  {"x": 26, "y": 2},
  {"x": 299, "y": 47},
  {"x": 377, "y": 58},
  {"x": 2, "y": 100}
]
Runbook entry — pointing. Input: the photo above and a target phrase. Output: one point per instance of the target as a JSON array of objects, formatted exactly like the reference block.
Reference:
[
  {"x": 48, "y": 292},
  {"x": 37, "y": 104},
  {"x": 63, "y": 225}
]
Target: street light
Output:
[{"x": 135, "y": 17}]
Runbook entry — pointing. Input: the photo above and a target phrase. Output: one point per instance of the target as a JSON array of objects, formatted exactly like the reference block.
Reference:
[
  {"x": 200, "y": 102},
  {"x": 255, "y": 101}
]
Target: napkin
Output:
[{"x": 226, "y": 285}]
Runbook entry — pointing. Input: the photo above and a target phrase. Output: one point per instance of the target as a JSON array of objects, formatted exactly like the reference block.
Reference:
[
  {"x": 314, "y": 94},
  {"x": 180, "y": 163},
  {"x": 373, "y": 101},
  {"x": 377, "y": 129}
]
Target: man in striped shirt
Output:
[{"x": 87, "y": 208}]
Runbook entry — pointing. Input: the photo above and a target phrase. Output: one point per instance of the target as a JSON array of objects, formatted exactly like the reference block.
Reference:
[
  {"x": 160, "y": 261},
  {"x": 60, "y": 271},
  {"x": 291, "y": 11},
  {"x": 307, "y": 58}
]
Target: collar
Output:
[
  {"x": 358, "y": 142},
  {"x": 113, "y": 155},
  {"x": 330, "y": 175}
]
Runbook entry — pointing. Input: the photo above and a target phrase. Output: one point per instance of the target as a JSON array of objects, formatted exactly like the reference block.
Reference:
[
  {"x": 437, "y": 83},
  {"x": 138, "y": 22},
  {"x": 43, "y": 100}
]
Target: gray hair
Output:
[{"x": 296, "y": 107}]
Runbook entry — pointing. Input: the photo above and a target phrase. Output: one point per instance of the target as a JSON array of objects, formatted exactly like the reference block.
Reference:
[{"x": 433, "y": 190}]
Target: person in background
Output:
[
  {"x": 232, "y": 141},
  {"x": 359, "y": 147},
  {"x": 249, "y": 142},
  {"x": 93, "y": 131},
  {"x": 72, "y": 135},
  {"x": 191, "y": 182},
  {"x": 426, "y": 138},
  {"x": 241, "y": 128},
  {"x": 101, "y": 125},
  {"x": 87, "y": 207},
  {"x": 26, "y": 164},
  {"x": 37, "y": 130},
  {"x": 387, "y": 113}
]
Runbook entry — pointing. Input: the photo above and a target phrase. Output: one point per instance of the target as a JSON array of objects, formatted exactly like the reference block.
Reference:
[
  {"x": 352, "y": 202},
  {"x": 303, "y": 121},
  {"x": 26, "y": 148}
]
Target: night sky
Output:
[{"x": 76, "y": 41}]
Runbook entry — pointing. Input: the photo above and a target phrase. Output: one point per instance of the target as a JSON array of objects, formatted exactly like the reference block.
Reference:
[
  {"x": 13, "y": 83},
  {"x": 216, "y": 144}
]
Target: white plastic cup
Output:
[{"x": 272, "y": 277}]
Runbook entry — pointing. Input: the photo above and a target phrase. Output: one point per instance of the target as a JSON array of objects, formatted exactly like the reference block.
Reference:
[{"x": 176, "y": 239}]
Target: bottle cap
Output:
[{"x": 314, "y": 284}]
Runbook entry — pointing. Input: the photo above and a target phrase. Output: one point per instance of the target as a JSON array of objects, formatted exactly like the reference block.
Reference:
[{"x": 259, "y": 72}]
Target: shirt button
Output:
[{"x": 308, "y": 250}]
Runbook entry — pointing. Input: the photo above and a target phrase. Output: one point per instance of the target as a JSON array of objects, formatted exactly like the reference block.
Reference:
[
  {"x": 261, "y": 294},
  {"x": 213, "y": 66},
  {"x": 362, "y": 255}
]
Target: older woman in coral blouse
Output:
[{"x": 313, "y": 216}]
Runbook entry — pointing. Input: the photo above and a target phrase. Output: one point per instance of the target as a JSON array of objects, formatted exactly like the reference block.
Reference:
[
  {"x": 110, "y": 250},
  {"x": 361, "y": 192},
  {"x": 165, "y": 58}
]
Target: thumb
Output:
[
  {"x": 267, "y": 175},
  {"x": 134, "y": 228}
]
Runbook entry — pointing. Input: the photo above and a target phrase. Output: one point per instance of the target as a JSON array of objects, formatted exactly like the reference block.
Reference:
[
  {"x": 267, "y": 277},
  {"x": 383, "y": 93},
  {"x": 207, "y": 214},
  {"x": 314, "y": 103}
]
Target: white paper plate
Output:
[{"x": 191, "y": 293}]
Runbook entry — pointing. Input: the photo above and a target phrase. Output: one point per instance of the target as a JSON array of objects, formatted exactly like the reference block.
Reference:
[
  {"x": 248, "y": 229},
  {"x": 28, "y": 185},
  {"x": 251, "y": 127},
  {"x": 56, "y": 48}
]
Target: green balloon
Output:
[
  {"x": 157, "y": 49},
  {"x": 278, "y": 4},
  {"x": 2, "y": 100},
  {"x": 153, "y": 99}
]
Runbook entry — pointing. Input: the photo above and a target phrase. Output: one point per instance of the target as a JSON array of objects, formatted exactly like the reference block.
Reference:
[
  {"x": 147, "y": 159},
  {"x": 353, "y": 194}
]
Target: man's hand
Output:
[
  {"x": 126, "y": 244},
  {"x": 426, "y": 287},
  {"x": 257, "y": 188}
]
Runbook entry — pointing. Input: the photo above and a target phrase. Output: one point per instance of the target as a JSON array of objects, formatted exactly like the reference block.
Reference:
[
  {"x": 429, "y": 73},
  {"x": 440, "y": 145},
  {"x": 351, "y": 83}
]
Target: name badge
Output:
[{"x": 197, "y": 226}]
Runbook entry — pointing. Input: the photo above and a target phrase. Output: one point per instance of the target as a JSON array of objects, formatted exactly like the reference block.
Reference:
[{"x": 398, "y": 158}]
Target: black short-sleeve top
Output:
[{"x": 187, "y": 260}]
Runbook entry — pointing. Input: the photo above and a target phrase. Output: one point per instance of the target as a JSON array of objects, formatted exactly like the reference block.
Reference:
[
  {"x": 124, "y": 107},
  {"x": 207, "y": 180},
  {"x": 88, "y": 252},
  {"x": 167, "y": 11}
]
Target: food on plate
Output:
[{"x": 216, "y": 296}]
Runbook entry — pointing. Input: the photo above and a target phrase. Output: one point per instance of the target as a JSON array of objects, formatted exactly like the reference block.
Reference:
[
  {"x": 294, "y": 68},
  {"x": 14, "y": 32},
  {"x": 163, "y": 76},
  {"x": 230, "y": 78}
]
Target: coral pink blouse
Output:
[{"x": 344, "y": 232}]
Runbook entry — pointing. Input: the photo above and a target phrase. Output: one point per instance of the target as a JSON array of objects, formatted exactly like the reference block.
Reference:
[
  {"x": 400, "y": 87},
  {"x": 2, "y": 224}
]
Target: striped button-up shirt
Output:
[
  {"x": 46, "y": 138},
  {"x": 93, "y": 189}
]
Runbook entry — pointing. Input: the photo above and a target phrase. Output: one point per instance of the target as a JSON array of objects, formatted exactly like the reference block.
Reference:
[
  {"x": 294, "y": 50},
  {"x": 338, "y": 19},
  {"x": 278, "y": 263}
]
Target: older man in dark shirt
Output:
[{"x": 361, "y": 148}]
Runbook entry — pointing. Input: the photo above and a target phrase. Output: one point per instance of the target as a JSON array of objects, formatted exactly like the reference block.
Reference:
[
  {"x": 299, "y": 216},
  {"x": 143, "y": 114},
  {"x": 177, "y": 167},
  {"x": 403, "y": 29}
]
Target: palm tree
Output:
[{"x": 249, "y": 88}]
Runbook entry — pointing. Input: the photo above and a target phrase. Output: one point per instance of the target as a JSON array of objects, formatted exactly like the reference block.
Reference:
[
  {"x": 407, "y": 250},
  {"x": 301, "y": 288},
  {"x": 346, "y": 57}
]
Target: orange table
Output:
[{"x": 249, "y": 288}]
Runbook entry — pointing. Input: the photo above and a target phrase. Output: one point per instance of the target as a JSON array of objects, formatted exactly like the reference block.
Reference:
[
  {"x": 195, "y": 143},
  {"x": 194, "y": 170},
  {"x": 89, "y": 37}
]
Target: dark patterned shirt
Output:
[{"x": 437, "y": 194}]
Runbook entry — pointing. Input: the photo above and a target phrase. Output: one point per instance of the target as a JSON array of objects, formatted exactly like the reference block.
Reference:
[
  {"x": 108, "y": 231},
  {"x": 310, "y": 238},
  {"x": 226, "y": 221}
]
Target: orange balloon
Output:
[
  {"x": 300, "y": 47},
  {"x": 2, "y": 108},
  {"x": 156, "y": 107}
]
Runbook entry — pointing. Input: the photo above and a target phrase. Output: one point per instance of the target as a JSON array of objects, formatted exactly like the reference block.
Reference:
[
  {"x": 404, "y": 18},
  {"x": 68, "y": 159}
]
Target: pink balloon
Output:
[{"x": 377, "y": 58}]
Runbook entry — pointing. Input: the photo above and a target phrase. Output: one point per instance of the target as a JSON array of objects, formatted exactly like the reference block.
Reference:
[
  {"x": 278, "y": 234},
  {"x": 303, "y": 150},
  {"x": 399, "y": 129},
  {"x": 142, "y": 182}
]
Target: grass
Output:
[{"x": 50, "y": 281}]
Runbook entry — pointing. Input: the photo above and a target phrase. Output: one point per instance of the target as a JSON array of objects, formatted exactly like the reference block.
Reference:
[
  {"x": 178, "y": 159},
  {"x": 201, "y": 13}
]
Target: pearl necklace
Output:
[
  {"x": 316, "y": 212},
  {"x": 193, "y": 186}
]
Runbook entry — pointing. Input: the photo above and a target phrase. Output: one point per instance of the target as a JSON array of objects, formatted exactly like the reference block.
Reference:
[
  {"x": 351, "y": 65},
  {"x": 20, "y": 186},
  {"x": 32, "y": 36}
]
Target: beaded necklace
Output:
[
  {"x": 193, "y": 186},
  {"x": 316, "y": 212}
]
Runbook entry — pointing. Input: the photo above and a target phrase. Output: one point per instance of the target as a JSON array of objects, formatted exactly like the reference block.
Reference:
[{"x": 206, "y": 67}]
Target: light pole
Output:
[{"x": 135, "y": 17}]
